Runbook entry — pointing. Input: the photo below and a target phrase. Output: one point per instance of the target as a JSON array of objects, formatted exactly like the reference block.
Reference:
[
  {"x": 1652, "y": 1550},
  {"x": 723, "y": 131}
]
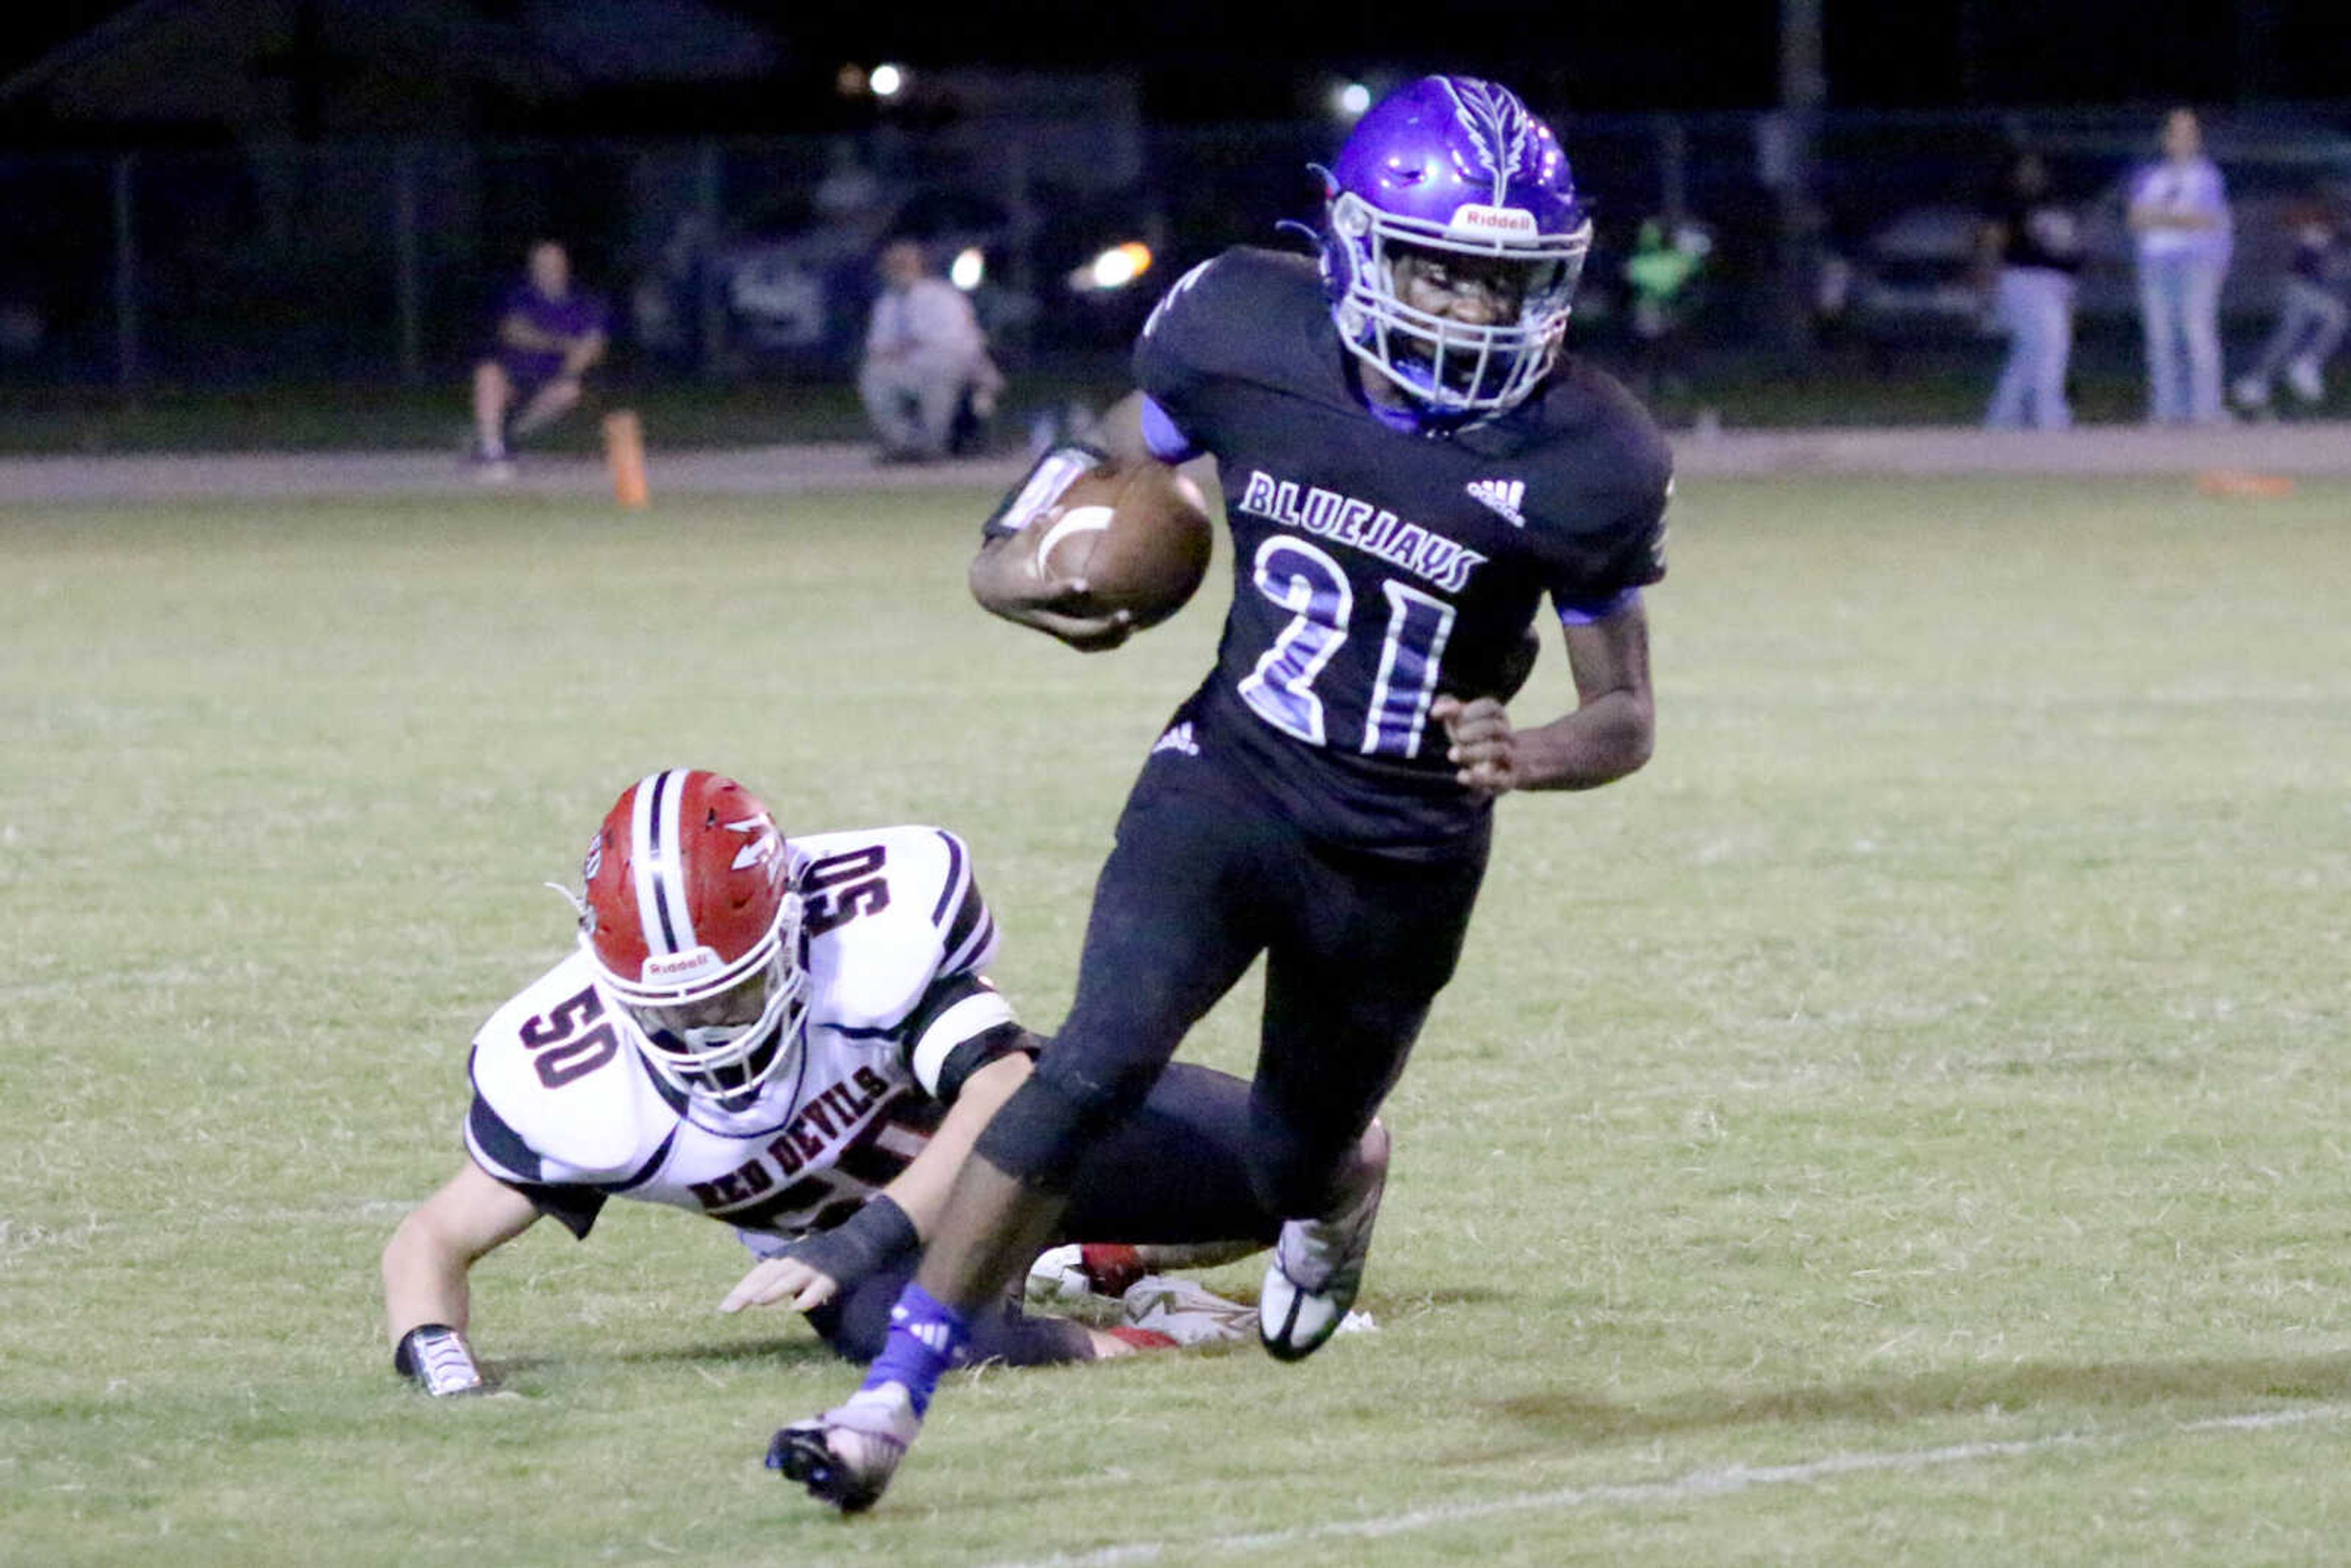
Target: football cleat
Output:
[
  {"x": 847, "y": 1456},
  {"x": 1185, "y": 1311},
  {"x": 1057, "y": 1278},
  {"x": 1318, "y": 1264},
  {"x": 1070, "y": 1275},
  {"x": 2303, "y": 376}
]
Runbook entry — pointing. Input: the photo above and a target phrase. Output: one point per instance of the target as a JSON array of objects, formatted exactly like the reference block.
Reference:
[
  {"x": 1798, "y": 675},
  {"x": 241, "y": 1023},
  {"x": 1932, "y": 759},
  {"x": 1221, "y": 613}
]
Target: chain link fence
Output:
[{"x": 744, "y": 259}]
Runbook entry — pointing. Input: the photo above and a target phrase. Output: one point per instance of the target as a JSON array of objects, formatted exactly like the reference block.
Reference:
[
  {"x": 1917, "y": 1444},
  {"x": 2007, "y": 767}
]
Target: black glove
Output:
[
  {"x": 1039, "y": 488},
  {"x": 437, "y": 1356},
  {"x": 875, "y": 1236}
]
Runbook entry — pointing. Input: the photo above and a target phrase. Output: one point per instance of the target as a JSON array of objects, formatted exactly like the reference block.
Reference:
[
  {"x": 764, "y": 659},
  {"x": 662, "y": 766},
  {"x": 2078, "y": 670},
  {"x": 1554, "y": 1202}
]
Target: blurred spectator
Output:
[
  {"x": 548, "y": 335},
  {"x": 925, "y": 360},
  {"x": 2179, "y": 211},
  {"x": 849, "y": 188},
  {"x": 2311, "y": 316},
  {"x": 1662, "y": 277},
  {"x": 2031, "y": 251}
]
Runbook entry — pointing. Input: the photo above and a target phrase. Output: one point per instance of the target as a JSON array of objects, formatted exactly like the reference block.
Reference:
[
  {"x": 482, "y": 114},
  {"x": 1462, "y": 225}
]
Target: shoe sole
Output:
[{"x": 803, "y": 1455}]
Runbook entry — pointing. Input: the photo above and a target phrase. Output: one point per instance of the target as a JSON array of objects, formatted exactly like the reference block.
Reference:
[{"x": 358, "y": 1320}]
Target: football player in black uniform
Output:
[{"x": 1409, "y": 466}]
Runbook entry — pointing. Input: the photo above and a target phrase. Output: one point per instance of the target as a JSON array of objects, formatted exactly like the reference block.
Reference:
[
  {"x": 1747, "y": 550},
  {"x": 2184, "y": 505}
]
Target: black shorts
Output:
[
  {"x": 1173, "y": 1172},
  {"x": 1207, "y": 874}
]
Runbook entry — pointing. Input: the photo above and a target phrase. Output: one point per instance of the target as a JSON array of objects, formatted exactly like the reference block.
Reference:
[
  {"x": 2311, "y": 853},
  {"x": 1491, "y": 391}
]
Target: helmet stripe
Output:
[{"x": 656, "y": 857}]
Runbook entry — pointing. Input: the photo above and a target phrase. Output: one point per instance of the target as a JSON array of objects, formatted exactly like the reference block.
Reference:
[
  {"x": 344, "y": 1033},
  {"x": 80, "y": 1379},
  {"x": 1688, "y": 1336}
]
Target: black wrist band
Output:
[{"x": 871, "y": 1237}]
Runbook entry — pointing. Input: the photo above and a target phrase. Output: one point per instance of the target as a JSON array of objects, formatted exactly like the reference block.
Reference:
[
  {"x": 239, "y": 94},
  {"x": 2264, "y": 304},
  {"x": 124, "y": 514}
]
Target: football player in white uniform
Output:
[{"x": 797, "y": 1038}]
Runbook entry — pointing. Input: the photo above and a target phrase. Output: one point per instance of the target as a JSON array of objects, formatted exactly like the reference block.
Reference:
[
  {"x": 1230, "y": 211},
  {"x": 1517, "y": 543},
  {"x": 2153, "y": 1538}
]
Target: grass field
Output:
[{"x": 1906, "y": 1124}]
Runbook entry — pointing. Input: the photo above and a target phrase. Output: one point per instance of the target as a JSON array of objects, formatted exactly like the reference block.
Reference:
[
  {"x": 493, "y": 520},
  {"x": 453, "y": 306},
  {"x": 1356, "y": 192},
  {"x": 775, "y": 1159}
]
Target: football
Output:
[{"x": 1139, "y": 541}]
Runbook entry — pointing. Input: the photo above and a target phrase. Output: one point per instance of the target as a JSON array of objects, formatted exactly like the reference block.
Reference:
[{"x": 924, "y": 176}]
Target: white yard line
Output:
[{"x": 1695, "y": 1485}]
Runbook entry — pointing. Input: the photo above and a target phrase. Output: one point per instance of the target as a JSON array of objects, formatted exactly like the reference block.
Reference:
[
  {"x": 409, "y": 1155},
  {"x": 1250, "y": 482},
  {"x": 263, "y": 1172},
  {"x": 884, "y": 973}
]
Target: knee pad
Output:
[{"x": 1041, "y": 1133}]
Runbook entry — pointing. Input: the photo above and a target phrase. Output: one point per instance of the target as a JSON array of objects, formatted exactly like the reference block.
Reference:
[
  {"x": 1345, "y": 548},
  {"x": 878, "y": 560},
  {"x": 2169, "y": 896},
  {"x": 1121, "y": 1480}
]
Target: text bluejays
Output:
[{"x": 1331, "y": 516}]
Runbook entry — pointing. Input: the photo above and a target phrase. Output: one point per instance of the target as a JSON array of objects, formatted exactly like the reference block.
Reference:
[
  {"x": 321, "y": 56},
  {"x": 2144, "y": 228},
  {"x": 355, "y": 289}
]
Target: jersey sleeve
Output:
[
  {"x": 1174, "y": 356},
  {"x": 905, "y": 959},
  {"x": 1603, "y": 518},
  {"x": 499, "y": 1150},
  {"x": 562, "y": 1110},
  {"x": 960, "y": 1026},
  {"x": 960, "y": 1023},
  {"x": 1217, "y": 325}
]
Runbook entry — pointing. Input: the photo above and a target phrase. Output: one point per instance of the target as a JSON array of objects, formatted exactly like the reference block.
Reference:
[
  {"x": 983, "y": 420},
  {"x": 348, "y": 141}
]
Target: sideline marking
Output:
[{"x": 1723, "y": 1481}]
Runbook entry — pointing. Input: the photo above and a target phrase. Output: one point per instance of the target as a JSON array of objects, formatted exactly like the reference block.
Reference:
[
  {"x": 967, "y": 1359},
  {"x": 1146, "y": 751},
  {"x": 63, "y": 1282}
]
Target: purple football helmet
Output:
[{"x": 1456, "y": 165}]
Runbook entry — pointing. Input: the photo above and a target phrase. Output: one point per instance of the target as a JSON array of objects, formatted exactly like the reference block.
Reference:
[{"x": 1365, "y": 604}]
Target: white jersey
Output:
[{"x": 567, "y": 1111}]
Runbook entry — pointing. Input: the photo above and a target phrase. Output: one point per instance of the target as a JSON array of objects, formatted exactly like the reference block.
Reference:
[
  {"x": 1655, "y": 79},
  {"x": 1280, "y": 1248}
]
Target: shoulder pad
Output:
[
  {"x": 889, "y": 911},
  {"x": 581, "y": 1101},
  {"x": 1603, "y": 453},
  {"x": 1218, "y": 318}
]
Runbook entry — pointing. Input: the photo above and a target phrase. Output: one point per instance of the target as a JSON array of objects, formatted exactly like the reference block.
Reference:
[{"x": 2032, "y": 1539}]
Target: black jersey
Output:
[{"x": 1377, "y": 568}]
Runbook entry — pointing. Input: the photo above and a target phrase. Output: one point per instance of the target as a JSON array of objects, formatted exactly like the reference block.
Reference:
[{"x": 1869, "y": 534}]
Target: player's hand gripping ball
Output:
[{"x": 1139, "y": 542}]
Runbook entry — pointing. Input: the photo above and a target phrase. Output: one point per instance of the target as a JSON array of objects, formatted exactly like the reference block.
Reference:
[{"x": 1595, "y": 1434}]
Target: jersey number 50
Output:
[
  {"x": 563, "y": 1048},
  {"x": 1304, "y": 581}
]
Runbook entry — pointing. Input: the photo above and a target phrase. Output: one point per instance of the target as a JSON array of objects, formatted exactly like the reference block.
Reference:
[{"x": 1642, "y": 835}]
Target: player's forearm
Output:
[
  {"x": 1120, "y": 434},
  {"x": 517, "y": 332},
  {"x": 921, "y": 1189},
  {"x": 1599, "y": 743}
]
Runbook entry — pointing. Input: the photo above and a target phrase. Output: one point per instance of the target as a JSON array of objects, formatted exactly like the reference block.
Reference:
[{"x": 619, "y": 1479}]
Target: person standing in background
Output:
[
  {"x": 2032, "y": 249},
  {"x": 2179, "y": 211},
  {"x": 923, "y": 353}
]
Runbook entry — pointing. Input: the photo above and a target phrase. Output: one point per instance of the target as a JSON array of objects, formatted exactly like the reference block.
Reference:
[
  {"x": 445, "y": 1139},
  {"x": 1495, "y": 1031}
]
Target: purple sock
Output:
[{"x": 926, "y": 1334}]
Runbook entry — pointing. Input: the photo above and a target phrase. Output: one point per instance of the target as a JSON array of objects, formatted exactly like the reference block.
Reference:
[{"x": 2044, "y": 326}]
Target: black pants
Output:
[
  {"x": 1206, "y": 875},
  {"x": 1173, "y": 1173}
]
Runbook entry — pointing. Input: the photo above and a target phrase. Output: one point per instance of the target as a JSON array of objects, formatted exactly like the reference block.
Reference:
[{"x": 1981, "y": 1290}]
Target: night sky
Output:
[
  {"x": 1206, "y": 61},
  {"x": 1657, "y": 54}
]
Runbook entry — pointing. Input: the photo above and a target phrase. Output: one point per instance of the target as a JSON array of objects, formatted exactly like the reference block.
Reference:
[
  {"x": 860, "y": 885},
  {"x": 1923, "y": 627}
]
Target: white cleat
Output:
[
  {"x": 1057, "y": 1278},
  {"x": 1318, "y": 1264},
  {"x": 847, "y": 1456},
  {"x": 2304, "y": 376},
  {"x": 1185, "y": 1311}
]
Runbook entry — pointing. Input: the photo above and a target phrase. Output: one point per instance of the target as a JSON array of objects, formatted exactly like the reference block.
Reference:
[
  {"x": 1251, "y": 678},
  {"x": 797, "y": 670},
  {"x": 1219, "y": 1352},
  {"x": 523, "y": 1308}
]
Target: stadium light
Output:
[
  {"x": 1114, "y": 269},
  {"x": 850, "y": 81},
  {"x": 887, "y": 79},
  {"x": 969, "y": 269},
  {"x": 1350, "y": 100}
]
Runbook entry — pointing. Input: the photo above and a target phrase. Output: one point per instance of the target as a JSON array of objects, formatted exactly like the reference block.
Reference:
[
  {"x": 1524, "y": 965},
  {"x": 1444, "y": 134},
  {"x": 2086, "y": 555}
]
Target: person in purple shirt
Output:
[
  {"x": 548, "y": 335},
  {"x": 2180, "y": 212}
]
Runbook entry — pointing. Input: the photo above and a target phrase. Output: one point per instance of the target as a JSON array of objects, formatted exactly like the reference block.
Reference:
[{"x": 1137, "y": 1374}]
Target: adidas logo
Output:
[
  {"x": 1501, "y": 496},
  {"x": 1178, "y": 739}
]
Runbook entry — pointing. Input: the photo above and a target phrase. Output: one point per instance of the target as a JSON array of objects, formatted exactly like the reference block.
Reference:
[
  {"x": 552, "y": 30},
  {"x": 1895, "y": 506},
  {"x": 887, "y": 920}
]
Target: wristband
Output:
[
  {"x": 861, "y": 1244},
  {"x": 436, "y": 1355},
  {"x": 1054, "y": 473}
]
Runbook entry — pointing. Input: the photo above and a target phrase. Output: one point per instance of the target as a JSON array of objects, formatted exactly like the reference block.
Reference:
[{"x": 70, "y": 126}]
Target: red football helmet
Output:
[{"x": 694, "y": 930}]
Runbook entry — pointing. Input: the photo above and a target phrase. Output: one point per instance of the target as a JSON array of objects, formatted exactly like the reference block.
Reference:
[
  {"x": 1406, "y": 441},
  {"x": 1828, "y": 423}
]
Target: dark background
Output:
[{"x": 1230, "y": 62}]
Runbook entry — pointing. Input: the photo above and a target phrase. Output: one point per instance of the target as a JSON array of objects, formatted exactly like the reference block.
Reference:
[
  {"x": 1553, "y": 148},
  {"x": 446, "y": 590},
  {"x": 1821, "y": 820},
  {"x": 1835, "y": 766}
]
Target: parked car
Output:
[{"x": 795, "y": 289}]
